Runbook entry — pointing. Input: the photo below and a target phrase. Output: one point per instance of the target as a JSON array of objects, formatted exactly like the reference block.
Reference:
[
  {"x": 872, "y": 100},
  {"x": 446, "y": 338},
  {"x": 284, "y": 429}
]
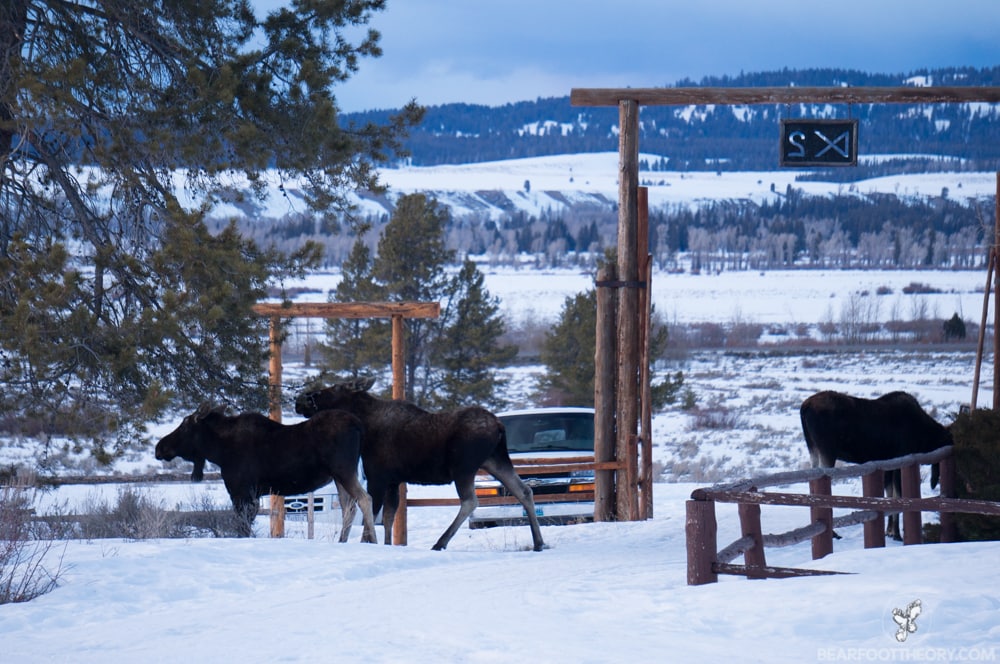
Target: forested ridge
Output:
[
  {"x": 720, "y": 138},
  {"x": 852, "y": 228}
]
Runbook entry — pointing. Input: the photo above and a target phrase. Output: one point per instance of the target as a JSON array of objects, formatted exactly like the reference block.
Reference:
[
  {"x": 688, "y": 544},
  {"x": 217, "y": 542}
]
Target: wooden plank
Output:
[
  {"x": 400, "y": 519},
  {"x": 770, "y": 572},
  {"x": 645, "y": 269},
  {"x": 949, "y": 529},
  {"x": 277, "y": 513},
  {"x": 493, "y": 501},
  {"x": 809, "y": 474},
  {"x": 50, "y": 481},
  {"x": 911, "y": 520},
  {"x": 543, "y": 461},
  {"x": 349, "y": 309},
  {"x": 701, "y": 532},
  {"x": 859, "y": 502},
  {"x": 873, "y": 486},
  {"x": 605, "y": 502},
  {"x": 750, "y": 524},
  {"x": 700, "y": 96},
  {"x": 626, "y": 396},
  {"x": 822, "y": 544}
]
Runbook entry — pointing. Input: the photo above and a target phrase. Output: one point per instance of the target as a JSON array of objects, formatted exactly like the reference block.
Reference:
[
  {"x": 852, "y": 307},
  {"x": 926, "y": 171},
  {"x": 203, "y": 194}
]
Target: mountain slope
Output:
[{"x": 716, "y": 138}]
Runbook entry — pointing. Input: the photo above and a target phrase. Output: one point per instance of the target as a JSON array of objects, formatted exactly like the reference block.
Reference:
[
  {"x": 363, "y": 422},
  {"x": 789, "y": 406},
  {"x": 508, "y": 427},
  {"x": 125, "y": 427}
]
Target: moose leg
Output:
[
  {"x": 390, "y": 504},
  {"x": 507, "y": 476},
  {"x": 246, "y": 511},
  {"x": 358, "y": 496},
  {"x": 348, "y": 505},
  {"x": 894, "y": 489},
  {"x": 466, "y": 487}
]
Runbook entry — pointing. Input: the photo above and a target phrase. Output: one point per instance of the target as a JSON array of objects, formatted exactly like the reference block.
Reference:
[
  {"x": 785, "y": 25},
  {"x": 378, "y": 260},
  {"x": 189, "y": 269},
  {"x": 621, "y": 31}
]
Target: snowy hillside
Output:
[{"x": 493, "y": 189}]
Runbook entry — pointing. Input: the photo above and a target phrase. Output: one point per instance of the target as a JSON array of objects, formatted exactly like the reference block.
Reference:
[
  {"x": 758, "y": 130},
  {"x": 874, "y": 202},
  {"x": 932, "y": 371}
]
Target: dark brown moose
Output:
[
  {"x": 405, "y": 443},
  {"x": 856, "y": 430},
  {"x": 258, "y": 456}
]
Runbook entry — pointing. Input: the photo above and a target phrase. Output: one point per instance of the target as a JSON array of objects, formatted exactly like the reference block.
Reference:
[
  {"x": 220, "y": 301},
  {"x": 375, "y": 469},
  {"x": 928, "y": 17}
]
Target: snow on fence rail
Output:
[{"x": 706, "y": 562}]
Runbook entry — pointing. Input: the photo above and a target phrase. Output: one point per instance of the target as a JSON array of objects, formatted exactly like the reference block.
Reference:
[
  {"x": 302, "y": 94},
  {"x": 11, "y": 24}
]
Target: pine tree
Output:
[
  {"x": 448, "y": 361},
  {"x": 410, "y": 267},
  {"x": 467, "y": 349},
  {"x": 568, "y": 352},
  {"x": 348, "y": 358},
  {"x": 115, "y": 301}
]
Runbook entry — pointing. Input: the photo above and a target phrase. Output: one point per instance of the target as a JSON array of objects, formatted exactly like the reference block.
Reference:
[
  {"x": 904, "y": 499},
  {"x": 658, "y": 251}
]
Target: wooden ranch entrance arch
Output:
[
  {"x": 620, "y": 364},
  {"x": 397, "y": 311}
]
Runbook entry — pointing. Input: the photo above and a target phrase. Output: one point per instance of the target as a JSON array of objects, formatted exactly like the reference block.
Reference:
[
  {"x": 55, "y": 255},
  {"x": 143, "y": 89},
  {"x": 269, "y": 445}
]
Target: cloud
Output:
[{"x": 499, "y": 51}]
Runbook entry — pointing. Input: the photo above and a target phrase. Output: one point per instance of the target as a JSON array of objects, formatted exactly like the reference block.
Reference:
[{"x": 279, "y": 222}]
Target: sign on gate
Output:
[{"x": 819, "y": 143}]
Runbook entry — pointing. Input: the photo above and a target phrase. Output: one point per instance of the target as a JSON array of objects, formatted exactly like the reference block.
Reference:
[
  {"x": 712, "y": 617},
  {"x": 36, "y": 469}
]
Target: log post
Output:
[
  {"x": 277, "y": 518},
  {"x": 996, "y": 299},
  {"x": 630, "y": 477},
  {"x": 750, "y": 525},
  {"x": 628, "y": 300},
  {"x": 701, "y": 532},
  {"x": 910, "y": 486},
  {"x": 822, "y": 544},
  {"x": 949, "y": 531},
  {"x": 399, "y": 525},
  {"x": 873, "y": 486},
  {"x": 991, "y": 260},
  {"x": 604, "y": 394},
  {"x": 645, "y": 266}
]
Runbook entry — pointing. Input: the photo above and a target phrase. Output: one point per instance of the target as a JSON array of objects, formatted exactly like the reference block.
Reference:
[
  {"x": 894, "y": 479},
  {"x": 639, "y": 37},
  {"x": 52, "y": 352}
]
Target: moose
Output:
[
  {"x": 405, "y": 443},
  {"x": 856, "y": 430},
  {"x": 258, "y": 456}
]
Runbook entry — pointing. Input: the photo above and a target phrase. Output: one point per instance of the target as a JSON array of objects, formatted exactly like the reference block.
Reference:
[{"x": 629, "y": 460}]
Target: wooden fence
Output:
[
  {"x": 706, "y": 562},
  {"x": 524, "y": 466}
]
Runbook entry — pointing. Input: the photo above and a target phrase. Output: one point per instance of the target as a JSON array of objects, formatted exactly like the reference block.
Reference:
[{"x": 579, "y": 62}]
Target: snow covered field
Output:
[
  {"x": 777, "y": 297},
  {"x": 601, "y": 591},
  {"x": 539, "y": 184}
]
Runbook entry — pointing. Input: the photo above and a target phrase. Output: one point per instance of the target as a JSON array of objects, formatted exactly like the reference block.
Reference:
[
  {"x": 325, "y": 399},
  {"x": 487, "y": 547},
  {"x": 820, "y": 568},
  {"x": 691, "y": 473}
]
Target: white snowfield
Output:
[
  {"x": 537, "y": 185},
  {"x": 599, "y": 593}
]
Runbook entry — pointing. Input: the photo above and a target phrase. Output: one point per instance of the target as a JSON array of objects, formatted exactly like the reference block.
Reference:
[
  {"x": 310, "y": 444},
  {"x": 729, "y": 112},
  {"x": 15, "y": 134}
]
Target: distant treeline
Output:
[
  {"x": 876, "y": 231},
  {"x": 723, "y": 138}
]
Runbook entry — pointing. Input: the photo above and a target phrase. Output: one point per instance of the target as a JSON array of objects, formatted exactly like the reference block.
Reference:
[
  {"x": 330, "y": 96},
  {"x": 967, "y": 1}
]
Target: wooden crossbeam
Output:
[
  {"x": 349, "y": 309},
  {"x": 700, "y": 96}
]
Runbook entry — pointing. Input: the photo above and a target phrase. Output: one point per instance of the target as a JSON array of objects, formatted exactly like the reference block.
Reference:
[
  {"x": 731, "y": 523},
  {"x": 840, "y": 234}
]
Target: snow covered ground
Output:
[
  {"x": 784, "y": 297},
  {"x": 600, "y": 592}
]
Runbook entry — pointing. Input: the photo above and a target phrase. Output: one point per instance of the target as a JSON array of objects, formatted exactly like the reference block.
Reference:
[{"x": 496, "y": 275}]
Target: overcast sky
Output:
[{"x": 498, "y": 51}]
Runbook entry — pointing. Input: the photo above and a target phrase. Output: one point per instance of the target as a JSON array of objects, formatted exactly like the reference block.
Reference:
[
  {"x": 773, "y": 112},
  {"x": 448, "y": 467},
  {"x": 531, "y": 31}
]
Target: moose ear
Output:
[
  {"x": 365, "y": 384},
  {"x": 204, "y": 409}
]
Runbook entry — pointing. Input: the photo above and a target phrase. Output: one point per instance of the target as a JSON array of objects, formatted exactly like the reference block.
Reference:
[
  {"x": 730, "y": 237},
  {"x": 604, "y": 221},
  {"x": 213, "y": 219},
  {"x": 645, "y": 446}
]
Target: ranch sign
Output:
[{"x": 819, "y": 142}]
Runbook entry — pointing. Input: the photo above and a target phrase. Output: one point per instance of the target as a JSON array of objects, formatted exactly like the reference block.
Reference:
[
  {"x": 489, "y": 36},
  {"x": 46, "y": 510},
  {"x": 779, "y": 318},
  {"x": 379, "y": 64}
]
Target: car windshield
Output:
[{"x": 550, "y": 432}]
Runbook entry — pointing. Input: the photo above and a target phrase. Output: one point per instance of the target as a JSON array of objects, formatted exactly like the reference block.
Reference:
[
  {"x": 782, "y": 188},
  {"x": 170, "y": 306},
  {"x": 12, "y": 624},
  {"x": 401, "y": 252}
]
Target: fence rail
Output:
[
  {"x": 532, "y": 466},
  {"x": 706, "y": 562},
  {"x": 540, "y": 466},
  {"x": 43, "y": 481}
]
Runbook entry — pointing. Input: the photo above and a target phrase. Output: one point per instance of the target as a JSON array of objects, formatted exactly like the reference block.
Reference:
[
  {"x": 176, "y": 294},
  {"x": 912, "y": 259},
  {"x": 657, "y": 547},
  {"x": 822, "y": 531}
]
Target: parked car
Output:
[{"x": 543, "y": 433}]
